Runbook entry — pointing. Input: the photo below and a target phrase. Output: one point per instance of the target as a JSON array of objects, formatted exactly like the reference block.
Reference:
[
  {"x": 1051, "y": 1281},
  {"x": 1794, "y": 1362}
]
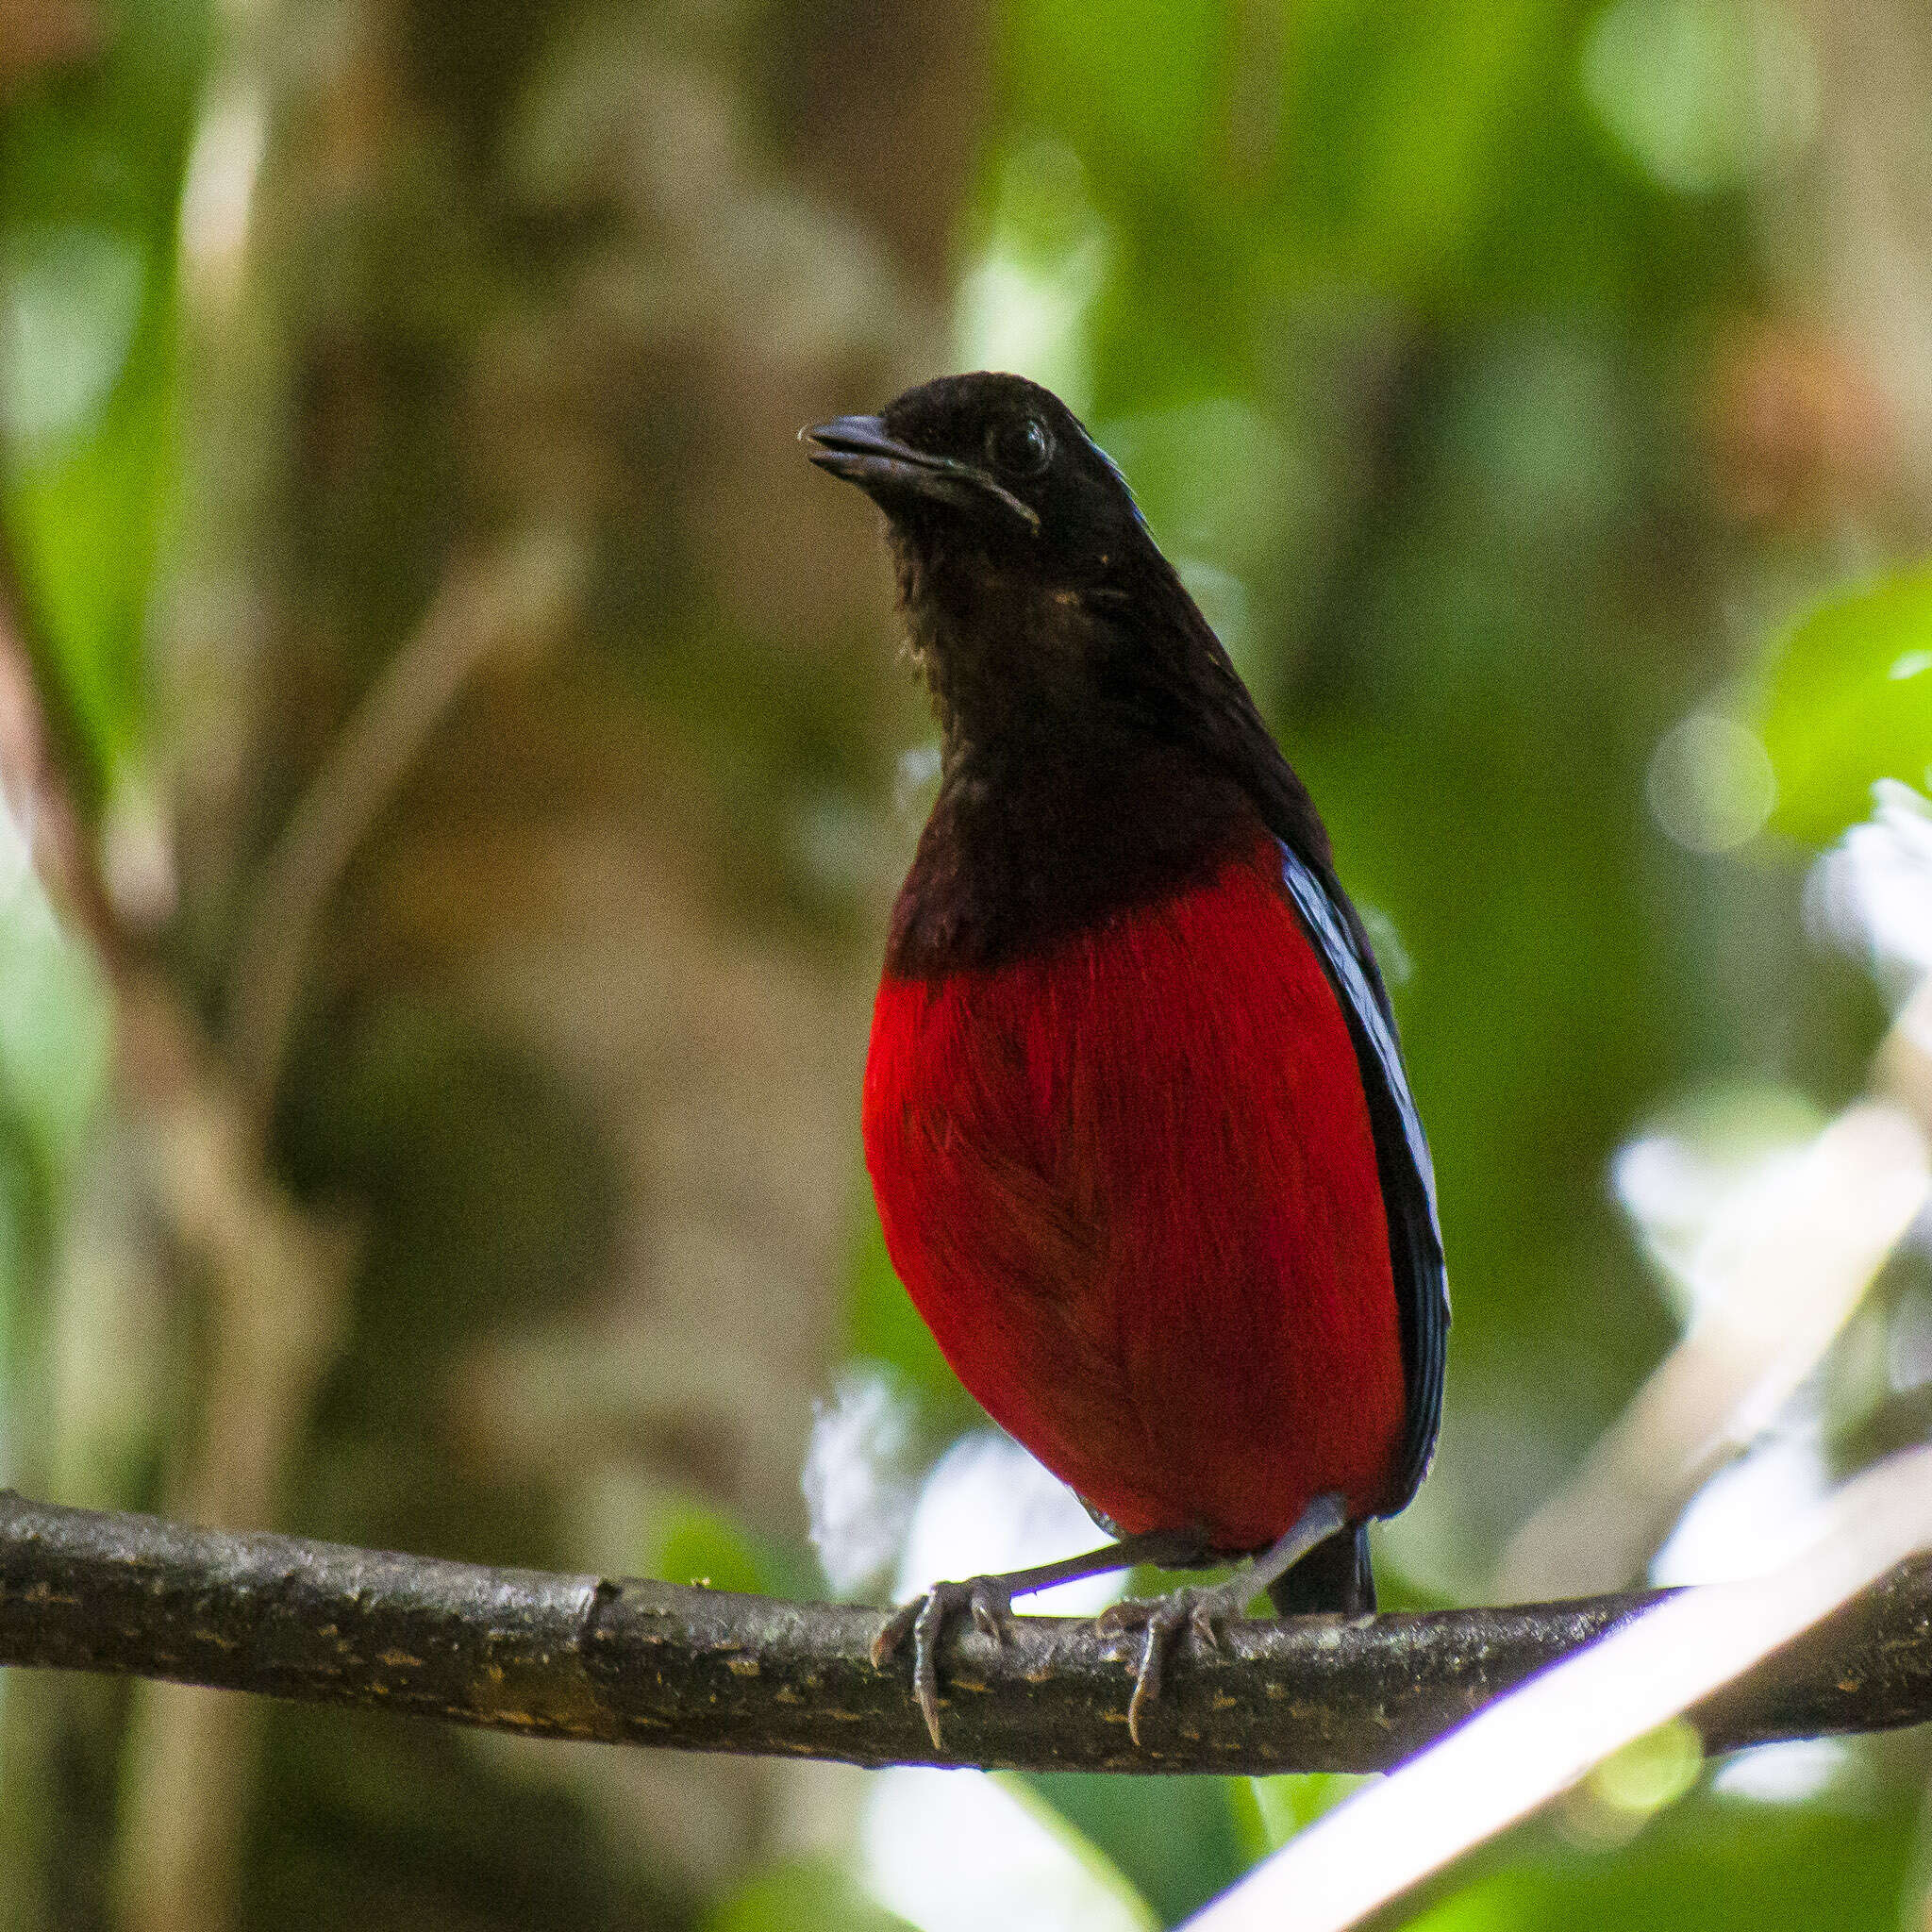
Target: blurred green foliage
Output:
[
  {"x": 802, "y": 1892},
  {"x": 1849, "y": 702},
  {"x": 90, "y": 176},
  {"x": 882, "y": 1325},
  {"x": 54, "y": 1027},
  {"x": 1408, "y": 324},
  {"x": 1176, "y": 1840},
  {"x": 1713, "y": 1863}
]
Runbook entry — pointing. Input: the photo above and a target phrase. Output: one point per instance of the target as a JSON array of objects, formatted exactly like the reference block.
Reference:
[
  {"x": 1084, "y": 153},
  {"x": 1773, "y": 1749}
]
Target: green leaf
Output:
[
  {"x": 699, "y": 1543},
  {"x": 1176, "y": 1839},
  {"x": 90, "y": 179},
  {"x": 85, "y": 517},
  {"x": 1270, "y": 1810},
  {"x": 704, "y": 1546},
  {"x": 1850, "y": 701}
]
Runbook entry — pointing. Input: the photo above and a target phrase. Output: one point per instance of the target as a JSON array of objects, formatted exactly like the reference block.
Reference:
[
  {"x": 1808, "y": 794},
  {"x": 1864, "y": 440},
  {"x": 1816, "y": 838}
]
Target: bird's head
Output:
[
  {"x": 991, "y": 472},
  {"x": 1018, "y": 547}
]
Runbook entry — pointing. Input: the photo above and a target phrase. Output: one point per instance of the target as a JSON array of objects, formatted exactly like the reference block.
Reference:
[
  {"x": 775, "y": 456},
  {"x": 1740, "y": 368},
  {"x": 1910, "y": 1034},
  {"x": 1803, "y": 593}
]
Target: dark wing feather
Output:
[{"x": 1402, "y": 1158}]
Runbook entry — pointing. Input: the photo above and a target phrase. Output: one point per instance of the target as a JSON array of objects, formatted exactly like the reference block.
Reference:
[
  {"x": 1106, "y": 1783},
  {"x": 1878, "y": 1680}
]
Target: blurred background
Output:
[{"x": 456, "y": 767}]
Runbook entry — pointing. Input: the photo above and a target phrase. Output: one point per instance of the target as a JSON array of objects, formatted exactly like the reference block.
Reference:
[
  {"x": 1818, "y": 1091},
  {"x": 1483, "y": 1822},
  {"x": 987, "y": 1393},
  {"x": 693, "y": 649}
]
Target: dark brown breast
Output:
[{"x": 1032, "y": 842}]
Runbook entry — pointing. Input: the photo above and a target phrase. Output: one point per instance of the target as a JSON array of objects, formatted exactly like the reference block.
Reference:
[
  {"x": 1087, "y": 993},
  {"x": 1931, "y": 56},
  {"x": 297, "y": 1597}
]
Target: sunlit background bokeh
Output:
[{"x": 458, "y": 766}]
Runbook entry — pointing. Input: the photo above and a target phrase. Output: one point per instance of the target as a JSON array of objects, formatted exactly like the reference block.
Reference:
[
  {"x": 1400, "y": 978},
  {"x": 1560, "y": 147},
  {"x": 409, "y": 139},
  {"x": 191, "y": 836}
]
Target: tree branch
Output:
[{"x": 638, "y": 1662}]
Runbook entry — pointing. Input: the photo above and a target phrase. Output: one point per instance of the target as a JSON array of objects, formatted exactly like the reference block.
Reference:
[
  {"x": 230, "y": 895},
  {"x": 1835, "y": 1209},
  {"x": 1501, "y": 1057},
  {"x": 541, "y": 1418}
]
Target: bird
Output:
[{"x": 1135, "y": 1112}]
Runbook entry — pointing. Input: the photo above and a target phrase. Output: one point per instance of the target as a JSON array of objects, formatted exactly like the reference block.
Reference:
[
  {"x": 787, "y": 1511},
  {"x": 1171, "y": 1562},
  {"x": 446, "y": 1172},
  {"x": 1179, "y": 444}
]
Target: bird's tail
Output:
[{"x": 1334, "y": 1575}]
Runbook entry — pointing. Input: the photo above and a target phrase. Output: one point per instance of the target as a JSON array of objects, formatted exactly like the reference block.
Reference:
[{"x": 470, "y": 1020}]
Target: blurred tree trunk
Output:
[{"x": 587, "y": 274}]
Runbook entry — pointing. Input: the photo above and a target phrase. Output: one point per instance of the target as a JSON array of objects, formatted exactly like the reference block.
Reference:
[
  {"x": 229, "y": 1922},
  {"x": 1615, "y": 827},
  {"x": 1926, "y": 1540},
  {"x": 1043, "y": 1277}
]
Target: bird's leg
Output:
[
  {"x": 991, "y": 1601},
  {"x": 1204, "y": 1607}
]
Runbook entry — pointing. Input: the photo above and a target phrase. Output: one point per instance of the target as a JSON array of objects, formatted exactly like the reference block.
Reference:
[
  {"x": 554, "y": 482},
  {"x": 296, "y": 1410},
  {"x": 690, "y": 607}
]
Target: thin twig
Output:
[
  {"x": 274, "y": 1280},
  {"x": 658, "y": 1664},
  {"x": 509, "y": 601}
]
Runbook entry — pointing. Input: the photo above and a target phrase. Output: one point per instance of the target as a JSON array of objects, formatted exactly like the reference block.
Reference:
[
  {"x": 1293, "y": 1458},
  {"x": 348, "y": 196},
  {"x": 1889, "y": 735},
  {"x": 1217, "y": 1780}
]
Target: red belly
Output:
[{"x": 1130, "y": 1185}]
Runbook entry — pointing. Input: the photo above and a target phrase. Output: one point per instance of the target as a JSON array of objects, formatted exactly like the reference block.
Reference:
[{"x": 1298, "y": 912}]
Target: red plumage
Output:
[{"x": 1130, "y": 1182}]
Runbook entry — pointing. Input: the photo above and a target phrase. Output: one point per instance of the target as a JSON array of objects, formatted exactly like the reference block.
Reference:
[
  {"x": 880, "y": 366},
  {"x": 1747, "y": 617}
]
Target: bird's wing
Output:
[
  {"x": 1194, "y": 694},
  {"x": 1402, "y": 1156}
]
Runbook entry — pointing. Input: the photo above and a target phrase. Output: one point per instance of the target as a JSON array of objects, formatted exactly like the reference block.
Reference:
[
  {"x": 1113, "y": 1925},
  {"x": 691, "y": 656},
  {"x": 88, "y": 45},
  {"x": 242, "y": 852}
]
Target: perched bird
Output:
[{"x": 1134, "y": 1111}]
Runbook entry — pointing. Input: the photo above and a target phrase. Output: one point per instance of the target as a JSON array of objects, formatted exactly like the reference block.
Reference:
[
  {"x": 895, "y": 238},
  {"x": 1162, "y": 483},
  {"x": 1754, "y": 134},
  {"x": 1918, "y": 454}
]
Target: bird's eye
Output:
[{"x": 1019, "y": 449}]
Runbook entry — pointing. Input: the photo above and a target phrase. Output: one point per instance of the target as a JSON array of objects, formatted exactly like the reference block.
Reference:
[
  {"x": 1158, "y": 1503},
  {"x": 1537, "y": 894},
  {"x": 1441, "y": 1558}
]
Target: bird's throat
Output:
[{"x": 1034, "y": 836}]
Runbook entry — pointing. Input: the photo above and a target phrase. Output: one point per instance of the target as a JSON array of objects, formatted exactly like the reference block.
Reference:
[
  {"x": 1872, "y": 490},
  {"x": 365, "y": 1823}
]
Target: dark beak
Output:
[{"x": 859, "y": 449}]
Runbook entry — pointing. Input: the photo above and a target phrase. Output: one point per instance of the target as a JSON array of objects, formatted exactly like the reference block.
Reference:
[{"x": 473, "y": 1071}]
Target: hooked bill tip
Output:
[{"x": 859, "y": 449}]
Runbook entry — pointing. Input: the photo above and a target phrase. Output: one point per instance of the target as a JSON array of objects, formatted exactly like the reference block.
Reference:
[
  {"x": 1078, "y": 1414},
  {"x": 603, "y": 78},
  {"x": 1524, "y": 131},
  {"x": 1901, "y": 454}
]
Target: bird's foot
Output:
[
  {"x": 1200, "y": 1607},
  {"x": 924, "y": 1619}
]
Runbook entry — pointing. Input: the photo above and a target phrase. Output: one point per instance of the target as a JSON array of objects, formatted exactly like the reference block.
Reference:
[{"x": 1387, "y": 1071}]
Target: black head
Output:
[
  {"x": 1096, "y": 743},
  {"x": 989, "y": 470},
  {"x": 1034, "y": 597}
]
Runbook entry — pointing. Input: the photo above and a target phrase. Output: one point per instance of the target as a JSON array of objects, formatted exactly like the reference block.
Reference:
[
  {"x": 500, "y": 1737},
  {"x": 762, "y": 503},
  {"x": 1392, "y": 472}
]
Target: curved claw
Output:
[
  {"x": 1206, "y": 1618},
  {"x": 925, "y": 1619},
  {"x": 1163, "y": 1626},
  {"x": 1165, "y": 1619},
  {"x": 893, "y": 1632}
]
